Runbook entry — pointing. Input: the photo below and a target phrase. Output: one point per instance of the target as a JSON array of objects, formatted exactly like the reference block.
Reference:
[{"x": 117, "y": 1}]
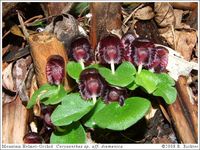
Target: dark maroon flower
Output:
[
  {"x": 113, "y": 94},
  {"x": 32, "y": 138},
  {"x": 91, "y": 84},
  {"x": 81, "y": 51},
  {"x": 110, "y": 51},
  {"x": 158, "y": 59},
  {"x": 127, "y": 40},
  {"x": 55, "y": 70},
  {"x": 141, "y": 49}
]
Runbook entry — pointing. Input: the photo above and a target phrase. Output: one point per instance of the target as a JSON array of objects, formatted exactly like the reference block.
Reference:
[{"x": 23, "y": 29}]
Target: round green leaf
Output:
[
  {"x": 167, "y": 92},
  {"x": 147, "y": 80},
  {"x": 123, "y": 76},
  {"x": 116, "y": 117},
  {"x": 74, "y": 69},
  {"x": 73, "y": 134},
  {"x": 88, "y": 119},
  {"x": 73, "y": 108},
  {"x": 165, "y": 79}
]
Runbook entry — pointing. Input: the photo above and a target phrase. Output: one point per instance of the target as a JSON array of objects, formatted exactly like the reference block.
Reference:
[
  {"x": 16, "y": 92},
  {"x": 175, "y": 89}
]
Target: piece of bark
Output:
[
  {"x": 180, "y": 122},
  {"x": 105, "y": 17},
  {"x": 14, "y": 122},
  {"x": 191, "y": 107},
  {"x": 44, "y": 45}
]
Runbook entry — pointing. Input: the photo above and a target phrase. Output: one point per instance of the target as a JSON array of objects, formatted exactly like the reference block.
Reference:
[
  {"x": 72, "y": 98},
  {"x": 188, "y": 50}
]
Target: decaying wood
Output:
[
  {"x": 14, "y": 122},
  {"x": 43, "y": 45},
  {"x": 181, "y": 124},
  {"x": 105, "y": 18},
  {"x": 190, "y": 106}
]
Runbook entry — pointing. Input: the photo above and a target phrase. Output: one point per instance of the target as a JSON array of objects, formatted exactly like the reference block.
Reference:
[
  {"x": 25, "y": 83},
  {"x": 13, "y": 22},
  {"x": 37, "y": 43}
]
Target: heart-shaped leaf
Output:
[
  {"x": 89, "y": 118},
  {"x": 116, "y": 117},
  {"x": 73, "y": 134},
  {"x": 73, "y": 107},
  {"x": 167, "y": 92},
  {"x": 44, "y": 91},
  {"x": 122, "y": 77},
  {"x": 74, "y": 69},
  {"x": 147, "y": 80}
]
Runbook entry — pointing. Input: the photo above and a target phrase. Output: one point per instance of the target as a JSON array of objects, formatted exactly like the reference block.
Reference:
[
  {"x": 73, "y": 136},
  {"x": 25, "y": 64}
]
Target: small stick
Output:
[
  {"x": 25, "y": 23},
  {"x": 33, "y": 18},
  {"x": 26, "y": 34}
]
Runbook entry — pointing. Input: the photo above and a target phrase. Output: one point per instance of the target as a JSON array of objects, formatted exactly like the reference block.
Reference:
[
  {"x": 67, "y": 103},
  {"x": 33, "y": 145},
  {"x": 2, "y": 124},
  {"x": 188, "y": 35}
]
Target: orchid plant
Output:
[{"x": 103, "y": 98}]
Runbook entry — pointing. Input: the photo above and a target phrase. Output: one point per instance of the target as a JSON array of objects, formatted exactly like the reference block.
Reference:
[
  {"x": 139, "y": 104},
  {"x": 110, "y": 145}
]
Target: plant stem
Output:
[
  {"x": 82, "y": 64},
  {"x": 139, "y": 68},
  {"x": 58, "y": 87},
  {"x": 112, "y": 65},
  {"x": 94, "y": 98}
]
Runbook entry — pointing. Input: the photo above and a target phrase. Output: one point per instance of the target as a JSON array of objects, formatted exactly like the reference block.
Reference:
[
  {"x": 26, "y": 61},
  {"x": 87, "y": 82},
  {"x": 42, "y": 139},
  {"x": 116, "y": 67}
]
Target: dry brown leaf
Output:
[
  {"x": 16, "y": 31},
  {"x": 164, "y": 14},
  {"x": 5, "y": 49},
  {"x": 161, "y": 140},
  {"x": 7, "y": 78},
  {"x": 14, "y": 122},
  {"x": 185, "y": 43},
  {"x": 178, "y": 23},
  {"x": 178, "y": 17},
  {"x": 20, "y": 70},
  {"x": 65, "y": 29},
  {"x": 165, "y": 18},
  {"x": 24, "y": 88},
  {"x": 34, "y": 86},
  {"x": 168, "y": 34},
  {"x": 196, "y": 49},
  {"x": 117, "y": 32},
  {"x": 151, "y": 113},
  {"x": 145, "y": 13},
  {"x": 4, "y": 65},
  {"x": 7, "y": 98},
  {"x": 37, "y": 109},
  {"x": 165, "y": 113}
]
